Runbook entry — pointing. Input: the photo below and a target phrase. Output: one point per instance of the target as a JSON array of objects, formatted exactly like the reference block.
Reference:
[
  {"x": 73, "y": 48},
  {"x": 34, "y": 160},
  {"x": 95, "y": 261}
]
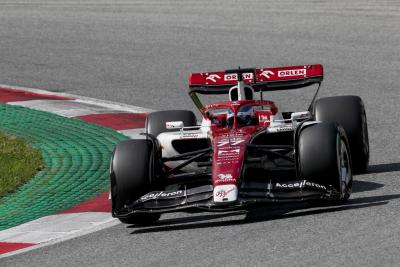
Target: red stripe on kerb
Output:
[
  {"x": 101, "y": 203},
  {"x": 11, "y": 95},
  {"x": 8, "y": 247},
  {"x": 117, "y": 121}
]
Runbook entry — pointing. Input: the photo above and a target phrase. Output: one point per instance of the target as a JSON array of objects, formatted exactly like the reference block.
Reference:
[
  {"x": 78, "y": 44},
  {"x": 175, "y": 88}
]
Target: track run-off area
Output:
[{"x": 141, "y": 52}]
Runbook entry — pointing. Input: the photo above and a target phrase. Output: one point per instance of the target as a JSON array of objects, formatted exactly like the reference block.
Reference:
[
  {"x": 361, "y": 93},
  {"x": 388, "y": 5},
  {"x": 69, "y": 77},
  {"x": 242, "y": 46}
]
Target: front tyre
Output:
[
  {"x": 349, "y": 112},
  {"x": 129, "y": 177},
  {"x": 324, "y": 158}
]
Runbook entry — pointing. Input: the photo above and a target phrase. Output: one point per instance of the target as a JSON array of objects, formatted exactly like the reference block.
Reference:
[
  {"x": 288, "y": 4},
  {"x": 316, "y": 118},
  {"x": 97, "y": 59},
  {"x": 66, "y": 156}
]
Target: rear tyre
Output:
[
  {"x": 155, "y": 122},
  {"x": 129, "y": 176},
  {"x": 349, "y": 112},
  {"x": 324, "y": 158}
]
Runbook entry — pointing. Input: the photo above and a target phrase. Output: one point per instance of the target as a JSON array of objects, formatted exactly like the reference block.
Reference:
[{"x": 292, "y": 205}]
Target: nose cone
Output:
[{"x": 228, "y": 155}]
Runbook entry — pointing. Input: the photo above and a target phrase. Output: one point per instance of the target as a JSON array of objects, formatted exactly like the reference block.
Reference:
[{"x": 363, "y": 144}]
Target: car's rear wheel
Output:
[
  {"x": 324, "y": 158},
  {"x": 349, "y": 112},
  {"x": 156, "y": 121},
  {"x": 129, "y": 177}
]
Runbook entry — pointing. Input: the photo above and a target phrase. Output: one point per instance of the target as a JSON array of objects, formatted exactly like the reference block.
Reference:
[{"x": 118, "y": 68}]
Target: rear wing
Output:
[{"x": 261, "y": 79}]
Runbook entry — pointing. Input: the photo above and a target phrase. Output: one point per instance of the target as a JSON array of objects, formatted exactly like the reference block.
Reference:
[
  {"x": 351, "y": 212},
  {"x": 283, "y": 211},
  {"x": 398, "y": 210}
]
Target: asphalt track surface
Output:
[{"x": 140, "y": 53}]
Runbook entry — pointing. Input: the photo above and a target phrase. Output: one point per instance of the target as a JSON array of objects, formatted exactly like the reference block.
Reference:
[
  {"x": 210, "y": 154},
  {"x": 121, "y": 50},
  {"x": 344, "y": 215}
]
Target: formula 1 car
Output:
[{"x": 245, "y": 152}]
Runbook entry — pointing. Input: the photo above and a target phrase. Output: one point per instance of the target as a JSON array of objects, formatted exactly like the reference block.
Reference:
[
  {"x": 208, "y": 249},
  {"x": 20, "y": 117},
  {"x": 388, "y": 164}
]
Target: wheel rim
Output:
[{"x": 344, "y": 169}]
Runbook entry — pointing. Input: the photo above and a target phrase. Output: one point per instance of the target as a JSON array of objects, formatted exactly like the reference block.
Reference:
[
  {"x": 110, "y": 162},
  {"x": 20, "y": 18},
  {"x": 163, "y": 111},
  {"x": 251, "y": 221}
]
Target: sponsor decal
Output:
[
  {"x": 232, "y": 141},
  {"x": 228, "y": 152},
  {"x": 223, "y": 142},
  {"x": 284, "y": 129},
  {"x": 213, "y": 77},
  {"x": 173, "y": 124},
  {"x": 266, "y": 73},
  {"x": 224, "y": 193},
  {"x": 291, "y": 73},
  {"x": 225, "y": 181},
  {"x": 189, "y": 136},
  {"x": 223, "y": 176},
  {"x": 235, "y": 103},
  {"x": 235, "y": 142},
  {"x": 162, "y": 195},
  {"x": 237, "y": 134},
  {"x": 299, "y": 184},
  {"x": 263, "y": 118},
  {"x": 233, "y": 76}
]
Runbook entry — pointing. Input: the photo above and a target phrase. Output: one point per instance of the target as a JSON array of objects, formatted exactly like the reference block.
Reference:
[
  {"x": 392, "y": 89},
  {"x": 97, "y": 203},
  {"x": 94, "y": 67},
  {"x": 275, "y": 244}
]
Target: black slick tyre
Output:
[
  {"x": 349, "y": 112},
  {"x": 129, "y": 177},
  {"x": 324, "y": 158},
  {"x": 156, "y": 121}
]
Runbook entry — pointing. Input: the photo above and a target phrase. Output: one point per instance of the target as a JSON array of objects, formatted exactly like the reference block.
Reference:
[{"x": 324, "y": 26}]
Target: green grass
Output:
[{"x": 18, "y": 163}]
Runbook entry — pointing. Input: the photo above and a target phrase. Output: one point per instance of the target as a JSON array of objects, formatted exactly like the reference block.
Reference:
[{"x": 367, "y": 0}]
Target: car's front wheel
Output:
[
  {"x": 324, "y": 158},
  {"x": 129, "y": 177}
]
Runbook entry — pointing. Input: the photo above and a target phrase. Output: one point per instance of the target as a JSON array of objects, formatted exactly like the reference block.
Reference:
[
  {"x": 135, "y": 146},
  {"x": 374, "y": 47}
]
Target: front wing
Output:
[{"x": 201, "y": 198}]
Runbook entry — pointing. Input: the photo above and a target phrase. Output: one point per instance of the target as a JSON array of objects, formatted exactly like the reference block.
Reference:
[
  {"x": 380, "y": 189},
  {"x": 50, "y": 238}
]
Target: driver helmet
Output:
[{"x": 245, "y": 116}]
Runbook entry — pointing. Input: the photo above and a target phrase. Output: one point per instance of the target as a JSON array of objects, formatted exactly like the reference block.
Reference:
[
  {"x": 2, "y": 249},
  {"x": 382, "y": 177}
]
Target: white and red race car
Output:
[{"x": 245, "y": 152}]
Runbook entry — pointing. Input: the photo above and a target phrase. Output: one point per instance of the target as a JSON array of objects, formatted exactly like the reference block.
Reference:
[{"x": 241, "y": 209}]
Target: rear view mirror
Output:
[{"x": 298, "y": 117}]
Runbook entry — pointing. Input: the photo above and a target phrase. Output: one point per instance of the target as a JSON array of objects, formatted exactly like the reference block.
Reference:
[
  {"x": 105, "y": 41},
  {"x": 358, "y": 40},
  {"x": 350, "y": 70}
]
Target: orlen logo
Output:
[
  {"x": 267, "y": 73},
  {"x": 233, "y": 77},
  {"x": 213, "y": 77},
  {"x": 290, "y": 73}
]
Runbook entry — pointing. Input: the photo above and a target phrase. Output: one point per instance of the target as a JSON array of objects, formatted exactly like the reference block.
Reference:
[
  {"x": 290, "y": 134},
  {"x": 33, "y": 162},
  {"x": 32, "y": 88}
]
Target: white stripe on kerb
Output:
[
  {"x": 85, "y": 100},
  {"x": 66, "y": 108},
  {"x": 54, "y": 227}
]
